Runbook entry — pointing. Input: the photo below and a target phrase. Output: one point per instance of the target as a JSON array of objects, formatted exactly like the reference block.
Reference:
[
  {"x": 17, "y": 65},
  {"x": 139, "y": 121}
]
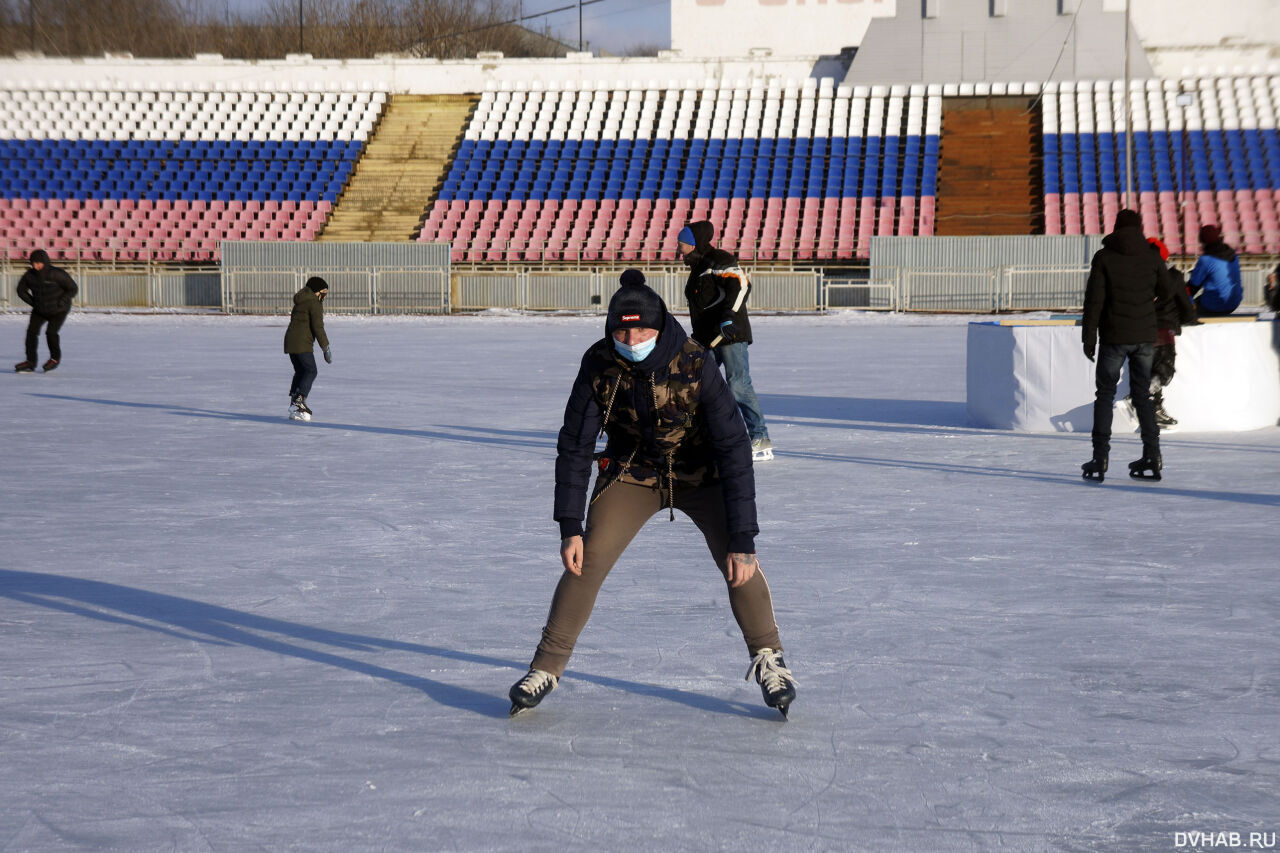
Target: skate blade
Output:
[
  {"x": 516, "y": 709},
  {"x": 762, "y": 456},
  {"x": 1097, "y": 478},
  {"x": 298, "y": 416},
  {"x": 1144, "y": 475}
]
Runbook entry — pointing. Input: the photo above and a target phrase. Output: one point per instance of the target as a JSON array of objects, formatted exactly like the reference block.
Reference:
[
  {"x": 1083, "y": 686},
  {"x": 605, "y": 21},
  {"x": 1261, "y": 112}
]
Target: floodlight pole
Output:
[
  {"x": 579, "y": 26},
  {"x": 299, "y": 26},
  {"x": 1128, "y": 118}
]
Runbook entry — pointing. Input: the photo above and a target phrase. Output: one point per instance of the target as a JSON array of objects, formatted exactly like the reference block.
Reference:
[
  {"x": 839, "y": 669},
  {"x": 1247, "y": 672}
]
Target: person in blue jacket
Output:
[
  {"x": 1215, "y": 281},
  {"x": 676, "y": 441}
]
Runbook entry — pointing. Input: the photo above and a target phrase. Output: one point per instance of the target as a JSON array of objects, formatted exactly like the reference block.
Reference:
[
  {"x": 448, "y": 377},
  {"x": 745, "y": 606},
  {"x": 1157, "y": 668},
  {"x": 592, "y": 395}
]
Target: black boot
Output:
[
  {"x": 530, "y": 690},
  {"x": 1095, "y": 468},
  {"x": 1163, "y": 419},
  {"x": 1146, "y": 468}
]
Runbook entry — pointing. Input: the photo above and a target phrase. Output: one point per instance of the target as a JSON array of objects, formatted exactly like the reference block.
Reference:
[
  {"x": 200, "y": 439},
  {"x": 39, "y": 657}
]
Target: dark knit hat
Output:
[
  {"x": 1210, "y": 234},
  {"x": 317, "y": 284},
  {"x": 635, "y": 305},
  {"x": 40, "y": 256},
  {"x": 1127, "y": 219}
]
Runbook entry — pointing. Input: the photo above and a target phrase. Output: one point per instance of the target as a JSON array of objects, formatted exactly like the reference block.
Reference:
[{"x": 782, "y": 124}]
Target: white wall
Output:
[
  {"x": 1204, "y": 37},
  {"x": 787, "y": 27},
  {"x": 419, "y": 76}
]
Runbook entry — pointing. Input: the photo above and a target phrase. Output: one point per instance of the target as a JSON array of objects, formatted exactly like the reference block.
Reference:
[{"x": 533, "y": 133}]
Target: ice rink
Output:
[{"x": 223, "y": 631}]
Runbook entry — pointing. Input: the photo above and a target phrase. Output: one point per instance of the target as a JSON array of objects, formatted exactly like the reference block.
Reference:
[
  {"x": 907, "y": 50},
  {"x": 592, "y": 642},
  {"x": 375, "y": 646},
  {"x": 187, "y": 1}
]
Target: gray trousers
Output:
[{"x": 612, "y": 522}]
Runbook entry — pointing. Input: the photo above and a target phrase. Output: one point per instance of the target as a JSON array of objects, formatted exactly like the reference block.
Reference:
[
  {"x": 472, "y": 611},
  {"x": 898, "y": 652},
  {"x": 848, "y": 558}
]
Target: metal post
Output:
[
  {"x": 1128, "y": 118},
  {"x": 579, "y": 26},
  {"x": 1184, "y": 101},
  {"x": 299, "y": 26}
]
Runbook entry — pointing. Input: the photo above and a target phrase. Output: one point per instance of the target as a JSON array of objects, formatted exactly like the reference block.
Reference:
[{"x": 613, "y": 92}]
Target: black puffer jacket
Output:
[
  {"x": 717, "y": 291},
  {"x": 48, "y": 291},
  {"x": 697, "y": 436},
  {"x": 1125, "y": 280},
  {"x": 1175, "y": 310}
]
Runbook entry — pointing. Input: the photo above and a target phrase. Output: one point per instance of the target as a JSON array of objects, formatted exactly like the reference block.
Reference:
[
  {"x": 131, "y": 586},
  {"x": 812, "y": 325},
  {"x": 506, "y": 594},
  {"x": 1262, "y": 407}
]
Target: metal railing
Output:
[
  {"x": 352, "y": 290},
  {"x": 587, "y": 288}
]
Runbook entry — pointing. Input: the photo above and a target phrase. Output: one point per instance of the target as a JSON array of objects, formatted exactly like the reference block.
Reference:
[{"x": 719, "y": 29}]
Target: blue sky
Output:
[{"x": 610, "y": 25}]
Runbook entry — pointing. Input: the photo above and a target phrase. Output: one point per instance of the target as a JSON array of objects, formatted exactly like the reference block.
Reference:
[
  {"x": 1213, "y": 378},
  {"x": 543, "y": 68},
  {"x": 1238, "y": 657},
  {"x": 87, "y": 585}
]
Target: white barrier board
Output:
[{"x": 1034, "y": 377}]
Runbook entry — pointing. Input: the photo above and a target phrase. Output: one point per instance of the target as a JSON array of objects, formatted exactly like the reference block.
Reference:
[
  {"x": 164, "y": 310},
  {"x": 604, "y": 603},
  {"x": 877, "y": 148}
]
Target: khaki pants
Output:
[{"x": 612, "y": 522}]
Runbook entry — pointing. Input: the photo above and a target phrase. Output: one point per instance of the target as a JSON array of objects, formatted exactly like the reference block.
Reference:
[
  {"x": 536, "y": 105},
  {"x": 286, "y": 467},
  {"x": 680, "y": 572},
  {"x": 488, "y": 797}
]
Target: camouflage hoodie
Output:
[{"x": 671, "y": 423}]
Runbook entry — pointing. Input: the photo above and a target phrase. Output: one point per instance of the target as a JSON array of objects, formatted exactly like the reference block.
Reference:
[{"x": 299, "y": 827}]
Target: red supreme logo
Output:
[{"x": 630, "y": 318}]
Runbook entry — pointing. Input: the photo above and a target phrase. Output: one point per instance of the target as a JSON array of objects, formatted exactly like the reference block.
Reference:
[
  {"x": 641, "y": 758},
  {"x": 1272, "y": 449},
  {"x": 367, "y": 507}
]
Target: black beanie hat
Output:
[
  {"x": 635, "y": 305},
  {"x": 40, "y": 256},
  {"x": 317, "y": 284},
  {"x": 1128, "y": 219}
]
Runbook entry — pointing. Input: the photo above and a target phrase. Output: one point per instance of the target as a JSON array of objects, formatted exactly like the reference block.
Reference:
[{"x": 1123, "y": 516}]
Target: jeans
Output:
[
  {"x": 1111, "y": 358},
  {"x": 737, "y": 371},
  {"x": 304, "y": 373},
  {"x": 51, "y": 335}
]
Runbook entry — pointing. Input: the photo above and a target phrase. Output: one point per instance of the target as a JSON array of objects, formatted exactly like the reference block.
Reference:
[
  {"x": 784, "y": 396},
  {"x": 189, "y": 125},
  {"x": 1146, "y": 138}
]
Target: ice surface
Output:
[{"x": 220, "y": 630}]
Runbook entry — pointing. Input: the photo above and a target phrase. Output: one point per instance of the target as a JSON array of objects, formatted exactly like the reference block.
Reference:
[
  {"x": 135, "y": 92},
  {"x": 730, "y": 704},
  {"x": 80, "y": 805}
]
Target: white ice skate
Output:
[{"x": 761, "y": 450}]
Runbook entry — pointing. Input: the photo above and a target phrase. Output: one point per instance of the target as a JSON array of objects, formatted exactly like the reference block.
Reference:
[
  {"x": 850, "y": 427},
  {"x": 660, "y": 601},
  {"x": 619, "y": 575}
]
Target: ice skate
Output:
[
  {"x": 50, "y": 364},
  {"x": 1164, "y": 420},
  {"x": 776, "y": 682},
  {"x": 1095, "y": 469},
  {"x": 298, "y": 410},
  {"x": 1146, "y": 468},
  {"x": 761, "y": 449},
  {"x": 25, "y": 367},
  {"x": 530, "y": 690}
]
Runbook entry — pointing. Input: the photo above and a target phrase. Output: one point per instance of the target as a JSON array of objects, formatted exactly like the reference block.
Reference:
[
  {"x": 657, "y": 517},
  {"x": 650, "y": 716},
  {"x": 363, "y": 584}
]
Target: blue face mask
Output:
[{"x": 639, "y": 352}]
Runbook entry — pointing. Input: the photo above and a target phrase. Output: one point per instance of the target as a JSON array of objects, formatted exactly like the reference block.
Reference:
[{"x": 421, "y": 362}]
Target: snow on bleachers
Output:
[{"x": 168, "y": 173}]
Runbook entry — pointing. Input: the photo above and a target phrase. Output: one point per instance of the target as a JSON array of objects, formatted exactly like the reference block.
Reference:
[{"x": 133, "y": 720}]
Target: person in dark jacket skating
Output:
[
  {"x": 49, "y": 291},
  {"x": 717, "y": 292},
  {"x": 1172, "y": 313},
  {"x": 1216, "y": 285},
  {"x": 306, "y": 328},
  {"x": 1125, "y": 280},
  {"x": 676, "y": 441}
]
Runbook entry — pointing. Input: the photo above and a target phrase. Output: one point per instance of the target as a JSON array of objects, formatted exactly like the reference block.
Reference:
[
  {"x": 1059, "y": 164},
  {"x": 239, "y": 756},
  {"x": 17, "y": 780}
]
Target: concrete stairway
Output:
[
  {"x": 989, "y": 169},
  {"x": 401, "y": 170}
]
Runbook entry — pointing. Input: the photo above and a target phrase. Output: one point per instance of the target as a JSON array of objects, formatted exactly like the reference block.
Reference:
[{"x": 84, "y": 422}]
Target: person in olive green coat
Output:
[{"x": 306, "y": 327}]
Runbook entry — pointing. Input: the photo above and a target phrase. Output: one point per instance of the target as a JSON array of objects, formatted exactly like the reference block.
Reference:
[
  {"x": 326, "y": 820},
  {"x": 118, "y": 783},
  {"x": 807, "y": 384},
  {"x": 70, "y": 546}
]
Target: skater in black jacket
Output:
[
  {"x": 1125, "y": 280},
  {"x": 675, "y": 442},
  {"x": 49, "y": 291},
  {"x": 717, "y": 291}
]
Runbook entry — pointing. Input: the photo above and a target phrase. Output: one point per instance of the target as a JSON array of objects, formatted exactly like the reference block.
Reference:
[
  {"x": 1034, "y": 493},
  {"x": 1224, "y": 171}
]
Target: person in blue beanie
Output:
[
  {"x": 1215, "y": 282},
  {"x": 717, "y": 292}
]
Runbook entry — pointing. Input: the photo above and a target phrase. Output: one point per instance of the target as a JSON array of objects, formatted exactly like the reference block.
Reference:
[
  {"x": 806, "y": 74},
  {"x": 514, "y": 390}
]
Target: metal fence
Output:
[
  {"x": 439, "y": 290},
  {"x": 375, "y": 290},
  {"x": 126, "y": 285}
]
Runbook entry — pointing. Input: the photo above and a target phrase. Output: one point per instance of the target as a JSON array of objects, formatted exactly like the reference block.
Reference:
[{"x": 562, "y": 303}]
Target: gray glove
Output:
[{"x": 328, "y": 356}]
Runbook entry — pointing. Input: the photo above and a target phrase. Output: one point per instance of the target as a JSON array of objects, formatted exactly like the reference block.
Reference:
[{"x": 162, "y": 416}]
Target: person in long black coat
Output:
[{"x": 49, "y": 291}]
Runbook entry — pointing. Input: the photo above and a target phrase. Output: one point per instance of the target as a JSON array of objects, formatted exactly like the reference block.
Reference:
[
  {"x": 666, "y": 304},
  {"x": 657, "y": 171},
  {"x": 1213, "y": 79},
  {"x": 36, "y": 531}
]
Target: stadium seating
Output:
[
  {"x": 590, "y": 172},
  {"x": 1215, "y": 157},
  {"x": 599, "y": 172},
  {"x": 166, "y": 174}
]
